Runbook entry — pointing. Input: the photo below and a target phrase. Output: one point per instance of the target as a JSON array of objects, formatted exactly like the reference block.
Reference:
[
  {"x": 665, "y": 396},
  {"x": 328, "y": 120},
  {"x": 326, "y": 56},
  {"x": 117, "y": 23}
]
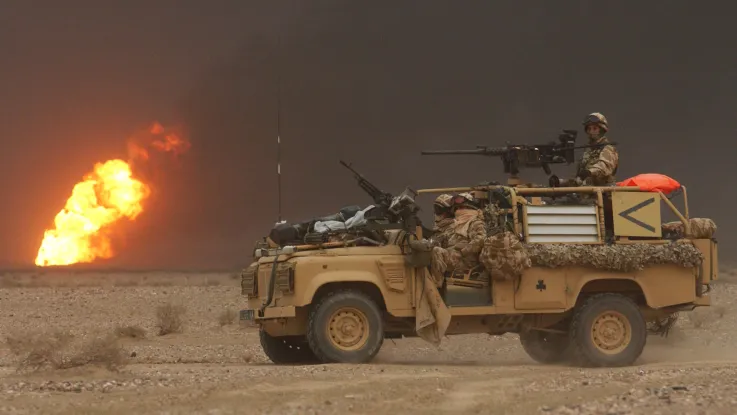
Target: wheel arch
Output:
[
  {"x": 367, "y": 287},
  {"x": 628, "y": 287},
  {"x": 588, "y": 285},
  {"x": 364, "y": 281}
]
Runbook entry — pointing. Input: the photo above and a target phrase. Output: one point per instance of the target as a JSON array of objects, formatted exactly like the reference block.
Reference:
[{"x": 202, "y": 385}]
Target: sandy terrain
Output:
[{"x": 215, "y": 365}]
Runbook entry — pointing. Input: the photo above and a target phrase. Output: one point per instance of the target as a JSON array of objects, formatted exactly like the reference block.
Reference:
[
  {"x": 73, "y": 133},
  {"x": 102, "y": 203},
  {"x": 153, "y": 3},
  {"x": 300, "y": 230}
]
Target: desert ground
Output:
[{"x": 171, "y": 343}]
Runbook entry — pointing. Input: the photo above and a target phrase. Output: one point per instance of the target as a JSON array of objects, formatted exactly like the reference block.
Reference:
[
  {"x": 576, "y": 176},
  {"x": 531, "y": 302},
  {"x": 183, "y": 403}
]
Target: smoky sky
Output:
[{"x": 373, "y": 83}]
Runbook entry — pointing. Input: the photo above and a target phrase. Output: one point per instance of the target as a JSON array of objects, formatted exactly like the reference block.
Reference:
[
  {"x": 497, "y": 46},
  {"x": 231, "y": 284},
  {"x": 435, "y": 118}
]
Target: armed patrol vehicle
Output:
[{"x": 604, "y": 271}]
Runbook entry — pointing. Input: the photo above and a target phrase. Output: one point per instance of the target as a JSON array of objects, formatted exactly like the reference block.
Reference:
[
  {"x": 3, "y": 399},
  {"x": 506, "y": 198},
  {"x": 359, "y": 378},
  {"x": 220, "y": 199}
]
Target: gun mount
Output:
[
  {"x": 519, "y": 156},
  {"x": 390, "y": 212}
]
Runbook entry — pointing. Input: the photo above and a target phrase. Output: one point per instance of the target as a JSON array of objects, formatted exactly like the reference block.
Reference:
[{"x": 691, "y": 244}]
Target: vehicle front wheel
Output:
[
  {"x": 286, "y": 350},
  {"x": 545, "y": 347},
  {"x": 608, "y": 330},
  {"x": 345, "y": 327}
]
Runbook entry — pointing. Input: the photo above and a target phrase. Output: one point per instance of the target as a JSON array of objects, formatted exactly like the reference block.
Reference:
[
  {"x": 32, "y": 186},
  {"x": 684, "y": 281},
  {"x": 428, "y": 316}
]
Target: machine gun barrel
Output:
[
  {"x": 484, "y": 151},
  {"x": 379, "y": 197}
]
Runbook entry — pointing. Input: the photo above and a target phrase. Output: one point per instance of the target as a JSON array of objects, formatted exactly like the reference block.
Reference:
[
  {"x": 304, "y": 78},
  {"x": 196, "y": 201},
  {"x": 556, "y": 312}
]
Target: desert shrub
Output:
[
  {"x": 169, "y": 319},
  {"x": 100, "y": 351},
  {"x": 57, "y": 350},
  {"x": 227, "y": 317},
  {"x": 133, "y": 332}
]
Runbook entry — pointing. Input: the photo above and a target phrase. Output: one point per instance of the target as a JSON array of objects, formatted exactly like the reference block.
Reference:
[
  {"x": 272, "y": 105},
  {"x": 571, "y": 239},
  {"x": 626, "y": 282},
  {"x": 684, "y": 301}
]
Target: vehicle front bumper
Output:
[{"x": 269, "y": 313}]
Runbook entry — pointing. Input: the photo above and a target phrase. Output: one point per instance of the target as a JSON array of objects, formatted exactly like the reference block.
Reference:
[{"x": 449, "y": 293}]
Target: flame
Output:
[{"x": 104, "y": 197}]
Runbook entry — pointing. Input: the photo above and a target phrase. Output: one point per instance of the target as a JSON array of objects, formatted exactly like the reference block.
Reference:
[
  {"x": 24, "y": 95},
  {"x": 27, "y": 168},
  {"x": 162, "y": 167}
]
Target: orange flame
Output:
[{"x": 106, "y": 195}]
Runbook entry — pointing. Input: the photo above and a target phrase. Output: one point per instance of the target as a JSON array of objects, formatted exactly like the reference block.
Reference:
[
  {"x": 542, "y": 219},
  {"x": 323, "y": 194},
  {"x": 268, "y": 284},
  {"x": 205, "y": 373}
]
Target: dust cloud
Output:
[{"x": 370, "y": 83}]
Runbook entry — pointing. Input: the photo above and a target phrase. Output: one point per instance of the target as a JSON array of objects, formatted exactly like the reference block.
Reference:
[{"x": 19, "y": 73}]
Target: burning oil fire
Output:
[{"x": 108, "y": 194}]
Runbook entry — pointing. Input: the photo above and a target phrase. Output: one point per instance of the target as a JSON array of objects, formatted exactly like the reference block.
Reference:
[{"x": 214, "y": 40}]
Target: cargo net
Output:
[
  {"x": 506, "y": 258},
  {"x": 701, "y": 228},
  {"x": 620, "y": 257}
]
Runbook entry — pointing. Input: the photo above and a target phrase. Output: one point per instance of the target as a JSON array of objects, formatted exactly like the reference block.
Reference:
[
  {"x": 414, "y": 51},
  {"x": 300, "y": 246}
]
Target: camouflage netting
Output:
[
  {"x": 504, "y": 256},
  {"x": 624, "y": 257},
  {"x": 701, "y": 228}
]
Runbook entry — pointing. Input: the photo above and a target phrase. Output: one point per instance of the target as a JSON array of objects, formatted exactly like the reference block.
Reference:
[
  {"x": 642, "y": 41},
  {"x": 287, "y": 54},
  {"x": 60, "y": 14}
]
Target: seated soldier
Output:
[
  {"x": 468, "y": 233},
  {"x": 443, "y": 220},
  {"x": 465, "y": 239}
]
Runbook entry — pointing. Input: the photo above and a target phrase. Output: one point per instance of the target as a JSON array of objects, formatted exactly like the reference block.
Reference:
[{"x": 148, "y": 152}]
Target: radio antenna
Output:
[{"x": 278, "y": 129}]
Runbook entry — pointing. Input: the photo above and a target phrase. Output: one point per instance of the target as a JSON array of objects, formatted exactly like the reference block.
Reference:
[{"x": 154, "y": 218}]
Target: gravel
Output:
[{"x": 214, "y": 369}]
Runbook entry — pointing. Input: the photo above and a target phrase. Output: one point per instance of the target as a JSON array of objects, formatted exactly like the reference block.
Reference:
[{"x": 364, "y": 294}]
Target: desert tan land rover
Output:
[{"x": 601, "y": 271}]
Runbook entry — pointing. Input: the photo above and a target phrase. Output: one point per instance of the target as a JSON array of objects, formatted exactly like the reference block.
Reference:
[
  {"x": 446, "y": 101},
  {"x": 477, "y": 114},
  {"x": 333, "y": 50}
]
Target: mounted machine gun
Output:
[
  {"x": 518, "y": 156},
  {"x": 390, "y": 212}
]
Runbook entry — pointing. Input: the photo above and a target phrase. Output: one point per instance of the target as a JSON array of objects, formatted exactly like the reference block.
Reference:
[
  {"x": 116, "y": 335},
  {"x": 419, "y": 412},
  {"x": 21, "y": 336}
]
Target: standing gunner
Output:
[{"x": 598, "y": 165}]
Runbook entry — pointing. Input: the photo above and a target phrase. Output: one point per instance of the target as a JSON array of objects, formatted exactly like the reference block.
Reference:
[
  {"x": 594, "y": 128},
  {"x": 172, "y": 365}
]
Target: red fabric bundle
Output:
[{"x": 652, "y": 182}]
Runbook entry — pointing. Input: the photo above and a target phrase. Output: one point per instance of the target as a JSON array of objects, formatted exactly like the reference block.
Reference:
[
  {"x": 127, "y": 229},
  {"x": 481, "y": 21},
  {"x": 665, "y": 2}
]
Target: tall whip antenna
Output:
[{"x": 278, "y": 129}]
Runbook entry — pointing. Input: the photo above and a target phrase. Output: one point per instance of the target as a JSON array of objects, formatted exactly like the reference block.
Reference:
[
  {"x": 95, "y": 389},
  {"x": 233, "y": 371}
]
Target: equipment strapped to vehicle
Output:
[{"x": 652, "y": 182}]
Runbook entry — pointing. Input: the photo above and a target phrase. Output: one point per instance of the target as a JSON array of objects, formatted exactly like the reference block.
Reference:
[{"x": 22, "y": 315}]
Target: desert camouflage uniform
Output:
[
  {"x": 504, "y": 256},
  {"x": 601, "y": 164},
  {"x": 442, "y": 226},
  {"x": 467, "y": 239},
  {"x": 467, "y": 236},
  {"x": 598, "y": 165},
  {"x": 464, "y": 243}
]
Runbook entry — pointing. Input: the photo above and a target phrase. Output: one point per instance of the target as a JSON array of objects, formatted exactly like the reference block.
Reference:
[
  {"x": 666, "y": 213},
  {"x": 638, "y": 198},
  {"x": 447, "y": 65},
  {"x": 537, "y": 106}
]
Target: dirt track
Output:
[{"x": 214, "y": 369}]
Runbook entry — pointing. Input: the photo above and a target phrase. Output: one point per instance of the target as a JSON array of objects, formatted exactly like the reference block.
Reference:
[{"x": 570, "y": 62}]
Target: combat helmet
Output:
[
  {"x": 596, "y": 118},
  {"x": 442, "y": 203},
  {"x": 464, "y": 200}
]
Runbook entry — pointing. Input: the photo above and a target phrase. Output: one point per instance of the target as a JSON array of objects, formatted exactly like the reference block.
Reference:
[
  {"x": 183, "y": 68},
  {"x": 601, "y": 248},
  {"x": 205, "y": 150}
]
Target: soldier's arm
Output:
[
  {"x": 606, "y": 163},
  {"x": 476, "y": 234}
]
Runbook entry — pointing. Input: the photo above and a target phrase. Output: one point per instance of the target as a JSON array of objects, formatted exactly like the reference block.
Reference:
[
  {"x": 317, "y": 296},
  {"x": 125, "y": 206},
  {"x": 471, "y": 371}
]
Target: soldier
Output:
[
  {"x": 598, "y": 165},
  {"x": 468, "y": 233},
  {"x": 443, "y": 220},
  {"x": 463, "y": 240}
]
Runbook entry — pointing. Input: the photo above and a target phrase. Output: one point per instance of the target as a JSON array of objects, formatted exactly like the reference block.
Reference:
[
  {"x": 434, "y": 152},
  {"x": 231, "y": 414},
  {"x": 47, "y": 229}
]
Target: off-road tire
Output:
[
  {"x": 287, "y": 350},
  {"x": 585, "y": 352},
  {"x": 319, "y": 336},
  {"x": 545, "y": 347}
]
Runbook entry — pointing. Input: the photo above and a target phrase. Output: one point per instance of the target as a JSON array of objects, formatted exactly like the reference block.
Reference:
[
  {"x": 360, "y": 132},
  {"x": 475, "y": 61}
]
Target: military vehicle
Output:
[{"x": 604, "y": 272}]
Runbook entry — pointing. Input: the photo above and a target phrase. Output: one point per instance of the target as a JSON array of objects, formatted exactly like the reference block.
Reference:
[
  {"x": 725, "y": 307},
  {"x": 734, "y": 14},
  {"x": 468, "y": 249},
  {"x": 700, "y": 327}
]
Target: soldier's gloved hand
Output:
[{"x": 584, "y": 174}]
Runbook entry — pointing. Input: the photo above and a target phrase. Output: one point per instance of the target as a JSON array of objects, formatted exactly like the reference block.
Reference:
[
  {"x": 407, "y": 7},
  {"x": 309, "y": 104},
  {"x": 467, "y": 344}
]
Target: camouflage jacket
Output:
[
  {"x": 601, "y": 162},
  {"x": 467, "y": 240},
  {"x": 441, "y": 232}
]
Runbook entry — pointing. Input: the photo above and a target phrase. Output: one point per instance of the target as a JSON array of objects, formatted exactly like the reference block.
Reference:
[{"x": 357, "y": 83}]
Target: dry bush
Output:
[
  {"x": 39, "y": 351},
  {"x": 169, "y": 319},
  {"x": 133, "y": 332},
  {"x": 57, "y": 351},
  {"x": 102, "y": 351},
  {"x": 227, "y": 317}
]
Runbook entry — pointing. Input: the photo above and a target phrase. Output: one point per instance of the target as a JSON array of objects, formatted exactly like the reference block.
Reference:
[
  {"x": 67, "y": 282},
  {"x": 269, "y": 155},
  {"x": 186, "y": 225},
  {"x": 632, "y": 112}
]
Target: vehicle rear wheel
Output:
[
  {"x": 608, "y": 330},
  {"x": 287, "y": 350},
  {"x": 545, "y": 347},
  {"x": 345, "y": 327}
]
